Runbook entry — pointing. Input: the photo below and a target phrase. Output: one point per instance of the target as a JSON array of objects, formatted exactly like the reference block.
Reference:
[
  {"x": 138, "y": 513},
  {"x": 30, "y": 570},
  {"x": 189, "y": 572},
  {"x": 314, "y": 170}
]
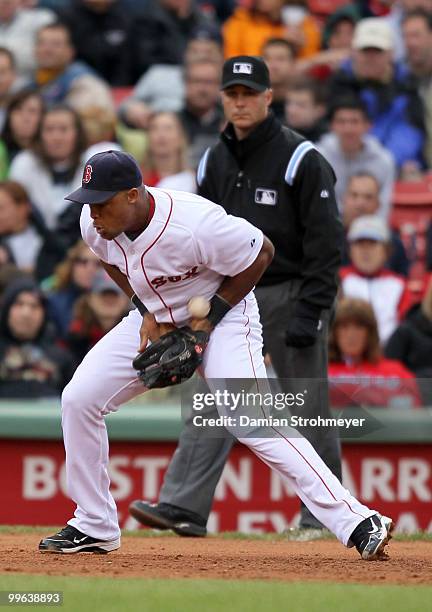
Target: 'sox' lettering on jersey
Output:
[{"x": 159, "y": 281}]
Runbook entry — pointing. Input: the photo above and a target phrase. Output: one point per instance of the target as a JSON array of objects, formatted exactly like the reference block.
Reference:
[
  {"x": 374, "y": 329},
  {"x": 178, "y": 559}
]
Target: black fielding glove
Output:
[{"x": 172, "y": 359}]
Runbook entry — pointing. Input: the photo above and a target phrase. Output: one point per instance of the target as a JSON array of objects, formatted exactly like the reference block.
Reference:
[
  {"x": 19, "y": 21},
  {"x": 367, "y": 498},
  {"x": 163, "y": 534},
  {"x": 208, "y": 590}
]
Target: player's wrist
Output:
[
  {"x": 139, "y": 305},
  {"x": 219, "y": 307}
]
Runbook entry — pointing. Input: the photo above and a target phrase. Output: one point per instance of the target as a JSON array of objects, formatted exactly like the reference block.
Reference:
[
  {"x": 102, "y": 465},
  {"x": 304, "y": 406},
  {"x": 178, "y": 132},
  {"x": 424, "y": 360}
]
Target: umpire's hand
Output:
[{"x": 302, "y": 332}]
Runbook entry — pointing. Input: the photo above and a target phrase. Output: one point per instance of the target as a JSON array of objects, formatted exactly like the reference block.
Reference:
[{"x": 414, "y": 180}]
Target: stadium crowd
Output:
[{"x": 82, "y": 76}]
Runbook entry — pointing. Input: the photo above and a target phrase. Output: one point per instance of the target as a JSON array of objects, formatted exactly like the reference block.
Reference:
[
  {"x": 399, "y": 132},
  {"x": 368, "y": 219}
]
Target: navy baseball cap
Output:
[
  {"x": 246, "y": 70},
  {"x": 105, "y": 174}
]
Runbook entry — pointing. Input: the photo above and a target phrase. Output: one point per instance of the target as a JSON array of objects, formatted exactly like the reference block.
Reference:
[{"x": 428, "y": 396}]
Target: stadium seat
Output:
[
  {"x": 412, "y": 201},
  {"x": 120, "y": 93},
  {"x": 324, "y": 8},
  {"x": 411, "y": 215}
]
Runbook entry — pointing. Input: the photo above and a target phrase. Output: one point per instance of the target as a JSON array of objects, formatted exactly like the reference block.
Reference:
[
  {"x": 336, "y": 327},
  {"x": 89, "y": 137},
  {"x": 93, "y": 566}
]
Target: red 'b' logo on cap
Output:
[{"x": 87, "y": 174}]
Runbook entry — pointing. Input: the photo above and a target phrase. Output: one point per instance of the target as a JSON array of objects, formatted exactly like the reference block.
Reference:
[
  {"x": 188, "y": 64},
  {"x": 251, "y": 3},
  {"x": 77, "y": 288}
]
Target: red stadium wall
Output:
[{"x": 395, "y": 479}]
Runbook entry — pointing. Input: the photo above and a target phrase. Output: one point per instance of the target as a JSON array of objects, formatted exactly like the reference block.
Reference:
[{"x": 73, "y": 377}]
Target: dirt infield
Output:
[{"x": 174, "y": 557}]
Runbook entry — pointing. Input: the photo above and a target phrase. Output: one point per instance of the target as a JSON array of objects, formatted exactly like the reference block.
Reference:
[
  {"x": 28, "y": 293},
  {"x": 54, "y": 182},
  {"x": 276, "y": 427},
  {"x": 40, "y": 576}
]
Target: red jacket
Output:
[{"x": 386, "y": 383}]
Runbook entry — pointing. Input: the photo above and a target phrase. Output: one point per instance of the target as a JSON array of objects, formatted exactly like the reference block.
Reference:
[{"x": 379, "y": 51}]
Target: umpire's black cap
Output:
[
  {"x": 246, "y": 70},
  {"x": 105, "y": 174}
]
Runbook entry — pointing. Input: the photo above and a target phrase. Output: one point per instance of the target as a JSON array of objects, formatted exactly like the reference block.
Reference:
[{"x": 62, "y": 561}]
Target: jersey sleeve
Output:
[
  {"x": 90, "y": 236},
  {"x": 227, "y": 244}
]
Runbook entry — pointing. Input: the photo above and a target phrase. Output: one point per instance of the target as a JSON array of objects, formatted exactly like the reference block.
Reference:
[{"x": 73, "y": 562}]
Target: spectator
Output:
[
  {"x": 107, "y": 25},
  {"x": 22, "y": 230},
  {"x": 59, "y": 78},
  {"x": 99, "y": 126},
  {"x": 166, "y": 163},
  {"x": 54, "y": 166},
  {"x": 362, "y": 198},
  {"x": 339, "y": 27},
  {"x": 278, "y": 54},
  {"x": 31, "y": 365},
  {"x": 248, "y": 29},
  {"x": 202, "y": 115},
  {"x": 368, "y": 278},
  {"x": 411, "y": 342},
  {"x": 95, "y": 314},
  {"x": 399, "y": 8},
  {"x": 161, "y": 88},
  {"x": 337, "y": 41},
  {"x": 10, "y": 83},
  {"x": 22, "y": 121},
  {"x": 161, "y": 32},
  {"x": 9, "y": 272},
  {"x": 219, "y": 9},
  {"x": 205, "y": 42},
  {"x": 390, "y": 95},
  {"x": 350, "y": 149},
  {"x": 18, "y": 29},
  {"x": 358, "y": 372},
  {"x": 6, "y": 257},
  {"x": 417, "y": 34},
  {"x": 73, "y": 277},
  {"x": 305, "y": 108}
]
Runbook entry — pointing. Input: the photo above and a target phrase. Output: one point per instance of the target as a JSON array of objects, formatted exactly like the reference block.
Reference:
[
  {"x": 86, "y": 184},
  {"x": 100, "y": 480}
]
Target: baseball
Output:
[{"x": 199, "y": 307}]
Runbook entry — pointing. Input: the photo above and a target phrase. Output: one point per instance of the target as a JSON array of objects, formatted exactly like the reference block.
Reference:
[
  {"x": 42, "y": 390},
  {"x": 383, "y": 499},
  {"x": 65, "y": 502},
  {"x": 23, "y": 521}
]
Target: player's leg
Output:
[
  {"x": 288, "y": 453},
  {"x": 104, "y": 380},
  {"x": 276, "y": 306},
  {"x": 189, "y": 484}
]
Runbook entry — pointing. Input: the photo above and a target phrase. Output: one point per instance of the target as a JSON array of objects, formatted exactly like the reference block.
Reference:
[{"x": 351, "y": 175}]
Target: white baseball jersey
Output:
[{"x": 187, "y": 249}]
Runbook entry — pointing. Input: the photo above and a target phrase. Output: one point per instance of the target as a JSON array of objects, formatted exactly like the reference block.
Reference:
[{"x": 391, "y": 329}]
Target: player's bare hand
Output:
[
  {"x": 152, "y": 330},
  {"x": 201, "y": 325}
]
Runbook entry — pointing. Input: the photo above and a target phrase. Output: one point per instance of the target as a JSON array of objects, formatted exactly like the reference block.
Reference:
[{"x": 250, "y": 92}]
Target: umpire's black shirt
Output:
[{"x": 277, "y": 180}]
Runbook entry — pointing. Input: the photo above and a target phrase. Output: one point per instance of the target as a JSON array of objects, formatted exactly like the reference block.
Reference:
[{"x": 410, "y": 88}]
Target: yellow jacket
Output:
[{"x": 246, "y": 32}]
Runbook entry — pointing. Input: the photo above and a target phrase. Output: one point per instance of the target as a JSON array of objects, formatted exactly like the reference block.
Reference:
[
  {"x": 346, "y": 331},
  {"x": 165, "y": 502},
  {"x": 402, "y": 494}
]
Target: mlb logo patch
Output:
[
  {"x": 242, "y": 68},
  {"x": 265, "y": 196}
]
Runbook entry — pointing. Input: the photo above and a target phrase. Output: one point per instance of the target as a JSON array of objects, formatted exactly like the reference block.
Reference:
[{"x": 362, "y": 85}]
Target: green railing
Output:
[{"x": 161, "y": 421}]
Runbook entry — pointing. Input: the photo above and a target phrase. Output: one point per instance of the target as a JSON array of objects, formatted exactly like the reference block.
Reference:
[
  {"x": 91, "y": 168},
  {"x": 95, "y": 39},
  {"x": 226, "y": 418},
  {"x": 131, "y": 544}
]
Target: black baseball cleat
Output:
[
  {"x": 164, "y": 516},
  {"x": 70, "y": 540},
  {"x": 371, "y": 536}
]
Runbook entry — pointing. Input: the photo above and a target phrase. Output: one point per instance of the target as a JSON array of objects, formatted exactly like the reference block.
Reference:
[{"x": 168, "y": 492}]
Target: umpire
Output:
[{"x": 275, "y": 179}]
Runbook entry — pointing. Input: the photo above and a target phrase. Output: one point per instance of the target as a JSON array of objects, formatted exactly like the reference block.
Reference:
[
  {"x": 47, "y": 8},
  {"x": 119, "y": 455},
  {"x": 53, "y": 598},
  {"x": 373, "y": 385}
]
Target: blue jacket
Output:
[{"x": 395, "y": 109}]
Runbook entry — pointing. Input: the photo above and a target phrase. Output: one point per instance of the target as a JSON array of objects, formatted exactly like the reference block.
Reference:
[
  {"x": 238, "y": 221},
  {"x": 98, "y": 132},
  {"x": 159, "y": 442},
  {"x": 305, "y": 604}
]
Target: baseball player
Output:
[{"x": 164, "y": 248}]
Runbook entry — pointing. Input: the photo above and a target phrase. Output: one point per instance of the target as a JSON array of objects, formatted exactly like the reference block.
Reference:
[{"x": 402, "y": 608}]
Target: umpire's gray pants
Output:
[{"x": 198, "y": 461}]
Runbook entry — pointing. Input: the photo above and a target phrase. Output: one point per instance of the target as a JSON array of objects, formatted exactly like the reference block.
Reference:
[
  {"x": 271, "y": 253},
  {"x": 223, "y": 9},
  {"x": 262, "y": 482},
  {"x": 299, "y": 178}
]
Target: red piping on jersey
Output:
[
  {"x": 124, "y": 255},
  {"x": 247, "y": 338},
  {"x": 148, "y": 249},
  {"x": 152, "y": 206},
  {"x": 281, "y": 434}
]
